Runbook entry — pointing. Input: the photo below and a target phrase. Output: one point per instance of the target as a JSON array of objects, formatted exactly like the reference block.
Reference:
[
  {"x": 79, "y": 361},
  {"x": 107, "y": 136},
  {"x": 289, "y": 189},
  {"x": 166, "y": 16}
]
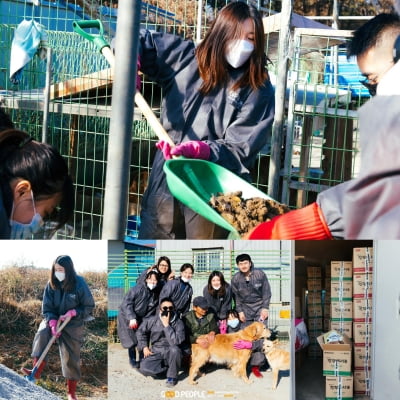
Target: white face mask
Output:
[
  {"x": 25, "y": 231},
  {"x": 216, "y": 287},
  {"x": 151, "y": 286},
  {"x": 238, "y": 52},
  {"x": 186, "y": 280},
  {"x": 59, "y": 275},
  {"x": 233, "y": 323}
]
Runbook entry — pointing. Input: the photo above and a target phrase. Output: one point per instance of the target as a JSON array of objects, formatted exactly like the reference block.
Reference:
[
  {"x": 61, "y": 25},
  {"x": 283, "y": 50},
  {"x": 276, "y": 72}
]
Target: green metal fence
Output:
[
  {"x": 321, "y": 140},
  {"x": 126, "y": 266}
]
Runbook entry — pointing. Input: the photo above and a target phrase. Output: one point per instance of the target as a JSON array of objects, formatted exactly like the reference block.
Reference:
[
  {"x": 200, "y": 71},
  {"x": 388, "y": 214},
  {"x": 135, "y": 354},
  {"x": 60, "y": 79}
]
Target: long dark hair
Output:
[
  {"x": 211, "y": 51},
  {"x": 68, "y": 284},
  {"x": 222, "y": 290},
  {"x": 168, "y": 261},
  {"x": 40, "y": 164}
]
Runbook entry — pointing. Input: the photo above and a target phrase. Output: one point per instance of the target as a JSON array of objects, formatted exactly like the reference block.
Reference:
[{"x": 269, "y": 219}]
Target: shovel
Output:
[
  {"x": 191, "y": 181},
  {"x": 100, "y": 42},
  {"x": 31, "y": 376}
]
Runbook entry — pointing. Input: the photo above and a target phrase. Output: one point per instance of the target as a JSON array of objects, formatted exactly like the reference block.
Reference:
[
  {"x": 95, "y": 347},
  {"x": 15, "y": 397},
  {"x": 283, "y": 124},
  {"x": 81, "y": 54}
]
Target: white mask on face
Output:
[
  {"x": 59, "y": 275},
  {"x": 238, "y": 52},
  {"x": 25, "y": 231},
  {"x": 216, "y": 287},
  {"x": 186, "y": 280},
  {"x": 233, "y": 323},
  {"x": 151, "y": 286}
]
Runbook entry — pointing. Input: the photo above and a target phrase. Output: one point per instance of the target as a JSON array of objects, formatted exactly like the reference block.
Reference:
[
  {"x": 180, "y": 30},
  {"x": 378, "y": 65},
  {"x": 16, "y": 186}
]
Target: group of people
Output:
[
  {"x": 158, "y": 321},
  {"x": 218, "y": 105}
]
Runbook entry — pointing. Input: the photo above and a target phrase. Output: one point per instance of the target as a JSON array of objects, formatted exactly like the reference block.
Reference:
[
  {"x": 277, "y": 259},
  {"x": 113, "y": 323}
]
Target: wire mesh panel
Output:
[
  {"x": 321, "y": 145},
  {"x": 322, "y": 141},
  {"x": 78, "y": 122},
  {"x": 127, "y": 265}
]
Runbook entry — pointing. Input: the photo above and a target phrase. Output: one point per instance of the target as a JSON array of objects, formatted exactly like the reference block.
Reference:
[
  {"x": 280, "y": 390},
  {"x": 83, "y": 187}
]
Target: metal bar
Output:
[
  {"x": 87, "y": 110},
  {"x": 46, "y": 95},
  {"x": 280, "y": 92},
  {"x": 119, "y": 145},
  {"x": 199, "y": 16}
]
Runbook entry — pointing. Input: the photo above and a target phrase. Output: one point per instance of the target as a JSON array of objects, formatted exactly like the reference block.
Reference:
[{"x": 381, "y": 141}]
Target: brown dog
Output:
[
  {"x": 221, "y": 351},
  {"x": 278, "y": 359}
]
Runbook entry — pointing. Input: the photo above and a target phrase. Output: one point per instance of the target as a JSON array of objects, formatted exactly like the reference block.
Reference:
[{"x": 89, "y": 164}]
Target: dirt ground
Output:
[{"x": 126, "y": 383}]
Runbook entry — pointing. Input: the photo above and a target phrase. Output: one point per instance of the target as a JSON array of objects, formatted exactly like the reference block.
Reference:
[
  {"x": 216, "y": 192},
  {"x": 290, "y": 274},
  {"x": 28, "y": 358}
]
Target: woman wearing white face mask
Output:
[
  {"x": 218, "y": 105},
  {"x": 218, "y": 294},
  {"x": 180, "y": 290},
  {"x": 139, "y": 303},
  {"x": 34, "y": 184},
  {"x": 65, "y": 295}
]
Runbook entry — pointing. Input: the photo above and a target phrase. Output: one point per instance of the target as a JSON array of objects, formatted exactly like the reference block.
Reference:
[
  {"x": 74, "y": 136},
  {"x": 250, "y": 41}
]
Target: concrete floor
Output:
[{"x": 310, "y": 383}]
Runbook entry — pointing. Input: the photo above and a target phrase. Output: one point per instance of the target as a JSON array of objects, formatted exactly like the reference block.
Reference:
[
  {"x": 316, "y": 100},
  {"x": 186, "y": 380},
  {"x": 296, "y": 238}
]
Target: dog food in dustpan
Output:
[
  {"x": 195, "y": 182},
  {"x": 244, "y": 214}
]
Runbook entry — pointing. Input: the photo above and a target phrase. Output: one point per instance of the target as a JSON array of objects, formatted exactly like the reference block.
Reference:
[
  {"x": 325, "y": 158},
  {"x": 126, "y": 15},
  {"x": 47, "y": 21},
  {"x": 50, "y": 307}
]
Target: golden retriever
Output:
[
  {"x": 220, "y": 350},
  {"x": 278, "y": 359}
]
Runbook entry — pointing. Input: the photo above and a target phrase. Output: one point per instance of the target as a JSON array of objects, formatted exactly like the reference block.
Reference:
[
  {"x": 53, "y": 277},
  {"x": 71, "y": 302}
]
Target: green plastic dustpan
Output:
[{"x": 193, "y": 182}]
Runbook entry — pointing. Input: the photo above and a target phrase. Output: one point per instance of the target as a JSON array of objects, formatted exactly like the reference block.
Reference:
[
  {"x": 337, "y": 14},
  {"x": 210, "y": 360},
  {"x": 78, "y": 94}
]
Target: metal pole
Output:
[
  {"x": 119, "y": 142},
  {"x": 280, "y": 94},
  {"x": 46, "y": 95},
  {"x": 199, "y": 21}
]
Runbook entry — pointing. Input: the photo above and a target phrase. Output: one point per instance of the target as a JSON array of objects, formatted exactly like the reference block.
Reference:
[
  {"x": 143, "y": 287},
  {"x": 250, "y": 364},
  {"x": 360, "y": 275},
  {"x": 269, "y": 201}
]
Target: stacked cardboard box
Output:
[
  {"x": 314, "y": 309},
  {"x": 337, "y": 369},
  {"x": 341, "y": 297},
  {"x": 362, "y": 317},
  {"x": 327, "y": 300},
  {"x": 338, "y": 357}
]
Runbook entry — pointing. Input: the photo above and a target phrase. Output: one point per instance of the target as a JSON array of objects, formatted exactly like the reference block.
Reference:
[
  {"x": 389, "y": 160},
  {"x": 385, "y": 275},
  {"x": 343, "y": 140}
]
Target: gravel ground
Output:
[
  {"x": 126, "y": 383},
  {"x": 16, "y": 387}
]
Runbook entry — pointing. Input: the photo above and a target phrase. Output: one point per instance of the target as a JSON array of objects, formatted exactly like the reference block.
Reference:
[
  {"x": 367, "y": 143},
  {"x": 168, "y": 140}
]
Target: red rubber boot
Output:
[
  {"x": 39, "y": 371},
  {"x": 71, "y": 385}
]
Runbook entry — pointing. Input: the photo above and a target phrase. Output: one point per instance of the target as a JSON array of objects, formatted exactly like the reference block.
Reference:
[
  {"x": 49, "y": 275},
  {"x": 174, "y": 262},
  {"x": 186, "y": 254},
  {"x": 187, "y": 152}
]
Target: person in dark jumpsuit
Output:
[
  {"x": 139, "y": 303},
  {"x": 180, "y": 290},
  {"x": 218, "y": 294},
  {"x": 66, "y": 294},
  {"x": 218, "y": 105},
  {"x": 252, "y": 294},
  {"x": 159, "y": 338},
  {"x": 164, "y": 270}
]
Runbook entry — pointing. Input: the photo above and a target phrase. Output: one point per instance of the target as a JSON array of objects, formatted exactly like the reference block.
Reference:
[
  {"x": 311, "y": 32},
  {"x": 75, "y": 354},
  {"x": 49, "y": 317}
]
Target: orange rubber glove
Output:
[{"x": 307, "y": 223}]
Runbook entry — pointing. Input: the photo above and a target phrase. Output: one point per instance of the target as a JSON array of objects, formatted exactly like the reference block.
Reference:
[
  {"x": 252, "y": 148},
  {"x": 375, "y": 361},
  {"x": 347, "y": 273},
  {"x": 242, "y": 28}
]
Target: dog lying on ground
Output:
[
  {"x": 278, "y": 359},
  {"x": 220, "y": 350}
]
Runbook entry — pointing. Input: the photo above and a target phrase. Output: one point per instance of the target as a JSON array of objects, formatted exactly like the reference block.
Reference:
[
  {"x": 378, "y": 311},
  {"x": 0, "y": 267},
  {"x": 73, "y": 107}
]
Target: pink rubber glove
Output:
[
  {"x": 133, "y": 324},
  {"x": 223, "y": 327},
  {"x": 192, "y": 149},
  {"x": 138, "y": 78},
  {"x": 70, "y": 313},
  {"x": 165, "y": 147},
  {"x": 53, "y": 327},
  {"x": 242, "y": 344}
]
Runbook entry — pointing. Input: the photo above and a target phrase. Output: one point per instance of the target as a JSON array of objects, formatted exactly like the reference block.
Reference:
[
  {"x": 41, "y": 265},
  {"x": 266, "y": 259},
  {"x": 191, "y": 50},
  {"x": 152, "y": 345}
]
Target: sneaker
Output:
[{"x": 171, "y": 382}]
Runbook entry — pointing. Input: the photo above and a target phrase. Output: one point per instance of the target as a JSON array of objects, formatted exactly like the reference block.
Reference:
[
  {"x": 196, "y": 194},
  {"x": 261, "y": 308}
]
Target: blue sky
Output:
[{"x": 87, "y": 255}]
